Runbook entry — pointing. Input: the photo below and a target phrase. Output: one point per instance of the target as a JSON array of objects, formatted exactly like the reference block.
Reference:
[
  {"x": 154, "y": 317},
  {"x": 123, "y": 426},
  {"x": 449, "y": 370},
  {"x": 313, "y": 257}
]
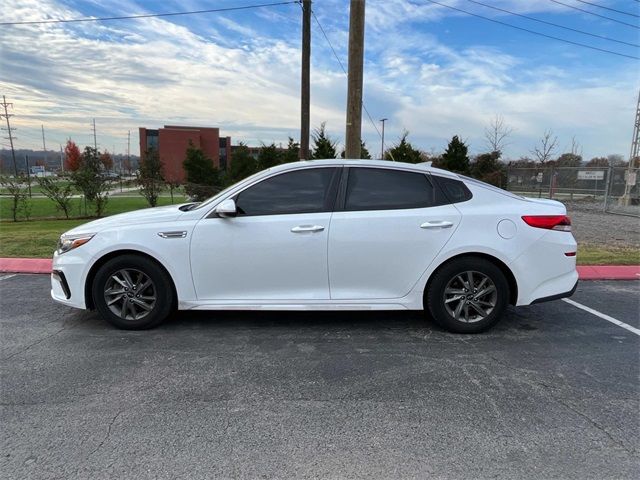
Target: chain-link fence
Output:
[{"x": 613, "y": 189}]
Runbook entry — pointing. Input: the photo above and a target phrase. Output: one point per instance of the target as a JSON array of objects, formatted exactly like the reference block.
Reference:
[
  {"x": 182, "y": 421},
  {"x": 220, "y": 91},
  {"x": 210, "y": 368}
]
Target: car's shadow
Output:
[{"x": 301, "y": 321}]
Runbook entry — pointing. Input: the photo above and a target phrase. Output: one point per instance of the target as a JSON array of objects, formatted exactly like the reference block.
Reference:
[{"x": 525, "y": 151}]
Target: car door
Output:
[
  {"x": 275, "y": 248},
  {"x": 391, "y": 225}
]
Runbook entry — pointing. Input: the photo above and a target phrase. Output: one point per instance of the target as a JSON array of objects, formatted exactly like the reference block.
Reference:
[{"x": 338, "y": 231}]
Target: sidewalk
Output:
[{"x": 586, "y": 272}]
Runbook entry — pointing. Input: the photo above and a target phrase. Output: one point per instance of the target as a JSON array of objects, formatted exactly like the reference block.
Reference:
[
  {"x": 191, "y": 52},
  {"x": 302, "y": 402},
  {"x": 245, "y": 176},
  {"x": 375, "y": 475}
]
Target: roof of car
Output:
[{"x": 425, "y": 166}]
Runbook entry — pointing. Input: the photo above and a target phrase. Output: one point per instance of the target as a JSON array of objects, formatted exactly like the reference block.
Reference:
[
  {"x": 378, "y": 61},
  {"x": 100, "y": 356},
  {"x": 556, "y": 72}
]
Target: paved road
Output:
[{"x": 551, "y": 392}]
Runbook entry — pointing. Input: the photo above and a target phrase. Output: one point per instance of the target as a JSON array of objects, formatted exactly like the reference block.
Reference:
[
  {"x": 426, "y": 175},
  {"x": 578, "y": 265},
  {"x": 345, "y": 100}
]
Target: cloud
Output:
[{"x": 242, "y": 73}]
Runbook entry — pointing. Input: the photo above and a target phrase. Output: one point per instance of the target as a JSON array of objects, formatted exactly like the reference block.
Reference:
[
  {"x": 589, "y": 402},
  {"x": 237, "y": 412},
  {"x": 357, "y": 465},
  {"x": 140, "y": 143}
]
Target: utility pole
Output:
[
  {"x": 305, "y": 84},
  {"x": 6, "y": 115},
  {"x": 61, "y": 160},
  {"x": 95, "y": 142},
  {"x": 353, "y": 139},
  {"x": 26, "y": 161},
  {"x": 382, "y": 147},
  {"x": 631, "y": 179},
  {"x": 44, "y": 147}
]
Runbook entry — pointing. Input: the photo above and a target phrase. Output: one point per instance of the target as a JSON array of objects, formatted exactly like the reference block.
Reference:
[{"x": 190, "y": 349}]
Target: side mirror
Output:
[{"x": 227, "y": 208}]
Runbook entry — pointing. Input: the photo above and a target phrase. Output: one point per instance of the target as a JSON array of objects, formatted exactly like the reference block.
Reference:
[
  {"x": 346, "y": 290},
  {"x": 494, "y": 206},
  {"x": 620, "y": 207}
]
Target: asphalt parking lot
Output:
[{"x": 551, "y": 392}]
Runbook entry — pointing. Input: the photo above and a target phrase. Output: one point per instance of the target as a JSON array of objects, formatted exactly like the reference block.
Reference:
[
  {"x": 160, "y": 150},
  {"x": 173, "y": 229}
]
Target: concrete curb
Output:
[
  {"x": 586, "y": 272},
  {"x": 25, "y": 265}
]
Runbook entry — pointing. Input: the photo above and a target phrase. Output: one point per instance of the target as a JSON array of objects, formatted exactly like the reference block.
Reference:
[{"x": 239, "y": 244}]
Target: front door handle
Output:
[
  {"x": 437, "y": 224},
  {"x": 307, "y": 228}
]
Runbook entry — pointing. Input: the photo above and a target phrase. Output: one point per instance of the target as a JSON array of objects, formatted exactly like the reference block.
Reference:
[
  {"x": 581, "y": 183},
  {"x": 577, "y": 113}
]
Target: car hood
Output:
[{"x": 146, "y": 215}]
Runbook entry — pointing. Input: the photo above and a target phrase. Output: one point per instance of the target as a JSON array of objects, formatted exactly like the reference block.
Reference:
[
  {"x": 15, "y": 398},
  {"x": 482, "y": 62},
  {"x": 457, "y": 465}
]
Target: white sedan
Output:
[{"x": 325, "y": 235}]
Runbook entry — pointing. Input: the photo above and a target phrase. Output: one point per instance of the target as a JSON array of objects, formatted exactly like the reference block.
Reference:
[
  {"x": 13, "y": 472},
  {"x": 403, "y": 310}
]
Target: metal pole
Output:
[
  {"x": 44, "y": 147},
  {"x": 95, "y": 141},
  {"x": 26, "y": 159},
  {"x": 353, "y": 138},
  {"x": 607, "y": 190},
  {"x": 305, "y": 83},
  {"x": 382, "y": 147}
]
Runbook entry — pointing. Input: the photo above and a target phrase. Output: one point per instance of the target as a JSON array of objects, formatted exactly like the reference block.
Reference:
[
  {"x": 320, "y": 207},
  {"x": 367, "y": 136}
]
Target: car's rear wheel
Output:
[
  {"x": 132, "y": 292},
  {"x": 467, "y": 295}
]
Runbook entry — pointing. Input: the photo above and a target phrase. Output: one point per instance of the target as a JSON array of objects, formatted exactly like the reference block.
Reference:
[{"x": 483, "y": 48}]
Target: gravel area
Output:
[{"x": 592, "y": 226}]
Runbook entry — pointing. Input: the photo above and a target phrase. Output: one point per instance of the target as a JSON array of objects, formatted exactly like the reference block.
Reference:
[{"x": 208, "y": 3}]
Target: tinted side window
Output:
[
  {"x": 452, "y": 191},
  {"x": 303, "y": 191},
  {"x": 386, "y": 189}
]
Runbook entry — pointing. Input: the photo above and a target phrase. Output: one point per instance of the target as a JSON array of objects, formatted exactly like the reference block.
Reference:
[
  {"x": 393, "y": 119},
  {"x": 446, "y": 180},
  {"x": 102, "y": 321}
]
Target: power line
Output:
[
  {"x": 608, "y": 8},
  {"x": 344, "y": 70},
  {"x": 554, "y": 24},
  {"x": 595, "y": 14},
  {"x": 149, "y": 15},
  {"x": 534, "y": 32}
]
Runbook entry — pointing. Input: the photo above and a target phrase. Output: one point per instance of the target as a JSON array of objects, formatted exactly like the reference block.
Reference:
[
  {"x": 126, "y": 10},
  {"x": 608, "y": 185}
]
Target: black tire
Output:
[
  {"x": 139, "y": 271},
  {"x": 454, "y": 278}
]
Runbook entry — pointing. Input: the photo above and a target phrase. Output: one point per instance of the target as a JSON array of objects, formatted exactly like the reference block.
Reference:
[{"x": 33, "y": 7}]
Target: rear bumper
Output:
[{"x": 557, "y": 296}]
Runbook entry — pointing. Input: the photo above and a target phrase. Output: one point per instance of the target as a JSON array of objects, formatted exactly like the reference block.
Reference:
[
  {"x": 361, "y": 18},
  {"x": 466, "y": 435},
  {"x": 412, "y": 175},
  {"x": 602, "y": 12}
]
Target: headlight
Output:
[{"x": 69, "y": 242}]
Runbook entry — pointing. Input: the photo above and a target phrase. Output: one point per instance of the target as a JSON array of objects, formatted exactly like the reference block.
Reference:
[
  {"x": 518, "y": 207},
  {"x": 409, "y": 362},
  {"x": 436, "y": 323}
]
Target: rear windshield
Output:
[{"x": 493, "y": 188}]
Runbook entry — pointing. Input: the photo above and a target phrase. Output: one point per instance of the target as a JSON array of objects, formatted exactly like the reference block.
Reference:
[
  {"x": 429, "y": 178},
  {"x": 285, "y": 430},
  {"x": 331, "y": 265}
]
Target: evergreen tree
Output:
[
  {"x": 455, "y": 157},
  {"x": 324, "y": 146},
  {"x": 242, "y": 164},
  {"x": 292, "y": 153},
  {"x": 488, "y": 168},
  {"x": 269, "y": 156},
  {"x": 201, "y": 177},
  {"x": 403, "y": 151}
]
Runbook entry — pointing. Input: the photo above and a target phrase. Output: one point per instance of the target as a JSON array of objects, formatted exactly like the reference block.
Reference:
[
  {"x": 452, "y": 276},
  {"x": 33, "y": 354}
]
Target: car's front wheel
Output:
[
  {"x": 132, "y": 292},
  {"x": 467, "y": 295}
]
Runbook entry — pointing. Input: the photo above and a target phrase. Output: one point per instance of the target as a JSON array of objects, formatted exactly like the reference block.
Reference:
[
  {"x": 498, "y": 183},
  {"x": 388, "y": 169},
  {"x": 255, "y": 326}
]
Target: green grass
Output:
[
  {"x": 44, "y": 208},
  {"x": 34, "y": 239},
  {"x": 599, "y": 255},
  {"x": 37, "y": 238}
]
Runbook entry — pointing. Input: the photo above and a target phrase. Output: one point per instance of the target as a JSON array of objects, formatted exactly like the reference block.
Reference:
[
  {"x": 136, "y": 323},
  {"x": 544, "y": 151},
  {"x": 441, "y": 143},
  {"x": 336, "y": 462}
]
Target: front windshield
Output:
[{"x": 211, "y": 200}]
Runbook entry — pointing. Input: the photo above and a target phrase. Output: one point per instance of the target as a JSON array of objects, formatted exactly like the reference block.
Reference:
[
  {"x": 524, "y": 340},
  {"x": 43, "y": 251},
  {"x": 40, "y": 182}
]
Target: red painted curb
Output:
[
  {"x": 25, "y": 265},
  {"x": 609, "y": 272},
  {"x": 585, "y": 272}
]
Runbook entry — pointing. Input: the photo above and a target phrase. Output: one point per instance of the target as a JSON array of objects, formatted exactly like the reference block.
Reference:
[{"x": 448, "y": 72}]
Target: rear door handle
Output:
[
  {"x": 307, "y": 228},
  {"x": 437, "y": 224}
]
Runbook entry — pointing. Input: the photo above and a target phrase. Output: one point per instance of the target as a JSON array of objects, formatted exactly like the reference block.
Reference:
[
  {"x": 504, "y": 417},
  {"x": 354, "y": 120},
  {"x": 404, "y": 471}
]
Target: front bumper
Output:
[{"x": 68, "y": 278}]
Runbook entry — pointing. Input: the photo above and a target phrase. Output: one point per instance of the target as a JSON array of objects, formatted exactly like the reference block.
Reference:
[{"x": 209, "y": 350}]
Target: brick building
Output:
[{"x": 172, "y": 141}]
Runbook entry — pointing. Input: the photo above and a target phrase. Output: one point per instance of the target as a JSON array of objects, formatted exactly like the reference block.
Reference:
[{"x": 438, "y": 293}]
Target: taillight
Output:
[{"x": 561, "y": 223}]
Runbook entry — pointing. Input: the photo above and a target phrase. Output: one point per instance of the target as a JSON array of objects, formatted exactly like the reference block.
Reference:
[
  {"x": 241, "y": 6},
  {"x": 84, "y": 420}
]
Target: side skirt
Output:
[{"x": 290, "y": 306}]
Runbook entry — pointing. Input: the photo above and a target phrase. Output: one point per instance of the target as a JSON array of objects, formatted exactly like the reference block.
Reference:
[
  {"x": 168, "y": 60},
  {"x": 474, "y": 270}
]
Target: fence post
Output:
[
  {"x": 551, "y": 183},
  {"x": 607, "y": 189}
]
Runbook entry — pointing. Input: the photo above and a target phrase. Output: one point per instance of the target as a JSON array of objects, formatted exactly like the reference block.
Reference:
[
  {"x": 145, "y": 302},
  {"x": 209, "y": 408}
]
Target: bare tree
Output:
[
  {"x": 546, "y": 147},
  {"x": 576, "y": 148},
  {"x": 496, "y": 134}
]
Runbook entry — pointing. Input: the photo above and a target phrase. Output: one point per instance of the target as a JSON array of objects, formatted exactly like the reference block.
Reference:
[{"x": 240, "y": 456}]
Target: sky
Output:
[{"x": 432, "y": 71}]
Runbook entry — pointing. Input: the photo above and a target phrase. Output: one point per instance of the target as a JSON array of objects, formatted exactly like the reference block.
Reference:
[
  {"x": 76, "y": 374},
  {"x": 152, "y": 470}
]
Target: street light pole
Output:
[{"x": 382, "y": 148}]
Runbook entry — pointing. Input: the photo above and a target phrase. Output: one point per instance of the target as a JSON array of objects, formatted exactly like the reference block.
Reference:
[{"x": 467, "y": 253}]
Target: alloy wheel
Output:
[
  {"x": 470, "y": 296},
  {"x": 130, "y": 294}
]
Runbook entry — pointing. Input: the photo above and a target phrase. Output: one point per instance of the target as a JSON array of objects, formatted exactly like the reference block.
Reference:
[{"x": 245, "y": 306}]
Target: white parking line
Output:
[
  {"x": 603, "y": 316},
  {"x": 4, "y": 277}
]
